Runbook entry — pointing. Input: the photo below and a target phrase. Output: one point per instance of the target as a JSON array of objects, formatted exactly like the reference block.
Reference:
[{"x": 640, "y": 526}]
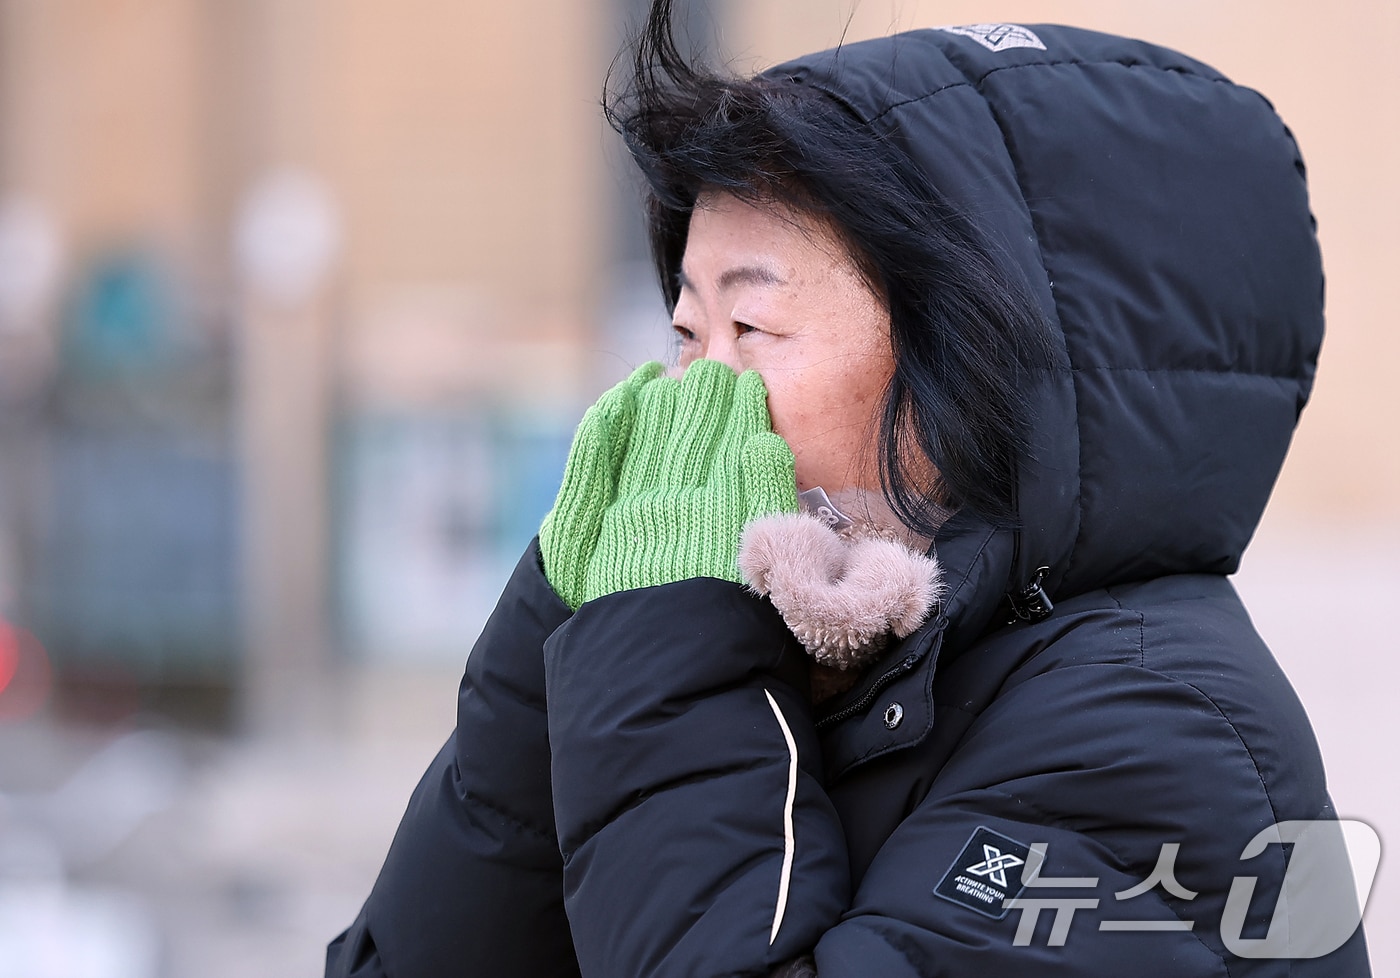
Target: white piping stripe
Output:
[{"x": 789, "y": 843}]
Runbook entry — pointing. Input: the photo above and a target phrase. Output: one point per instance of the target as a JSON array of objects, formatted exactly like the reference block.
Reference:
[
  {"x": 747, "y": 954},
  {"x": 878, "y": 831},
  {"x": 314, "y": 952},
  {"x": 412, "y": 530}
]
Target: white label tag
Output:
[
  {"x": 816, "y": 502},
  {"x": 998, "y": 37}
]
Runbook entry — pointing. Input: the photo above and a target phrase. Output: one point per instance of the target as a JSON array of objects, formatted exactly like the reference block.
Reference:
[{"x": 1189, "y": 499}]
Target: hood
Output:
[{"x": 1158, "y": 213}]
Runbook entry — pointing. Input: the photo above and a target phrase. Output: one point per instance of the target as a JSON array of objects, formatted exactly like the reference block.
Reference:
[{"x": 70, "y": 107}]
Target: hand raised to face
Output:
[{"x": 661, "y": 479}]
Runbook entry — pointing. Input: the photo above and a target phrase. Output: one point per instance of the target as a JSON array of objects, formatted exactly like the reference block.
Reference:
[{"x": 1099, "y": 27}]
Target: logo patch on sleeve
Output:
[{"x": 986, "y": 872}]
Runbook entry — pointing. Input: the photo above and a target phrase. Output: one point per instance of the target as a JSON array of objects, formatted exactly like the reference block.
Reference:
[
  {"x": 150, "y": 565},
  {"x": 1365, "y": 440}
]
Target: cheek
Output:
[
  {"x": 814, "y": 427},
  {"x": 830, "y": 420},
  {"x": 791, "y": 412},
  {"x": 793, "y": 422},
  {"x": 777, "y": 400},
  {"x": 786, "y": 403}
]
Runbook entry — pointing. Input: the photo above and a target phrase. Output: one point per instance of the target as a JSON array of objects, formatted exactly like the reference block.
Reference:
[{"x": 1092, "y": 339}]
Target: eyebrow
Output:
[{"x": 737, "y": 275}]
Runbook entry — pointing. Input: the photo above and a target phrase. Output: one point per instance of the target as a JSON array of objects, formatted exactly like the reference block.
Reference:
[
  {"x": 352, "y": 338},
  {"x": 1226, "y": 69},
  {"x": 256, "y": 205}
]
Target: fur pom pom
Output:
[{"x": 841, "y": 598}]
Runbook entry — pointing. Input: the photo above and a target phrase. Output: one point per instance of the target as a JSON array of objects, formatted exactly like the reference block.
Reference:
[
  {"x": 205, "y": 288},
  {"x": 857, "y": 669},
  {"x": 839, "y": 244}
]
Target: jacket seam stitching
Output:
[
  {"x": 1142, "y": 632},
  {"x": 955, "y": 707},
  {"x": 1268, "y": 796},
  {"x": 1067, "y": 62},
  {"x": 986, "y": 541},
  {"x": 1253, "y": 763},
  {"x": 1014, "y": 163},
  {"x": 1177, "y": 681},
  {"x": 511, "y": 817}
]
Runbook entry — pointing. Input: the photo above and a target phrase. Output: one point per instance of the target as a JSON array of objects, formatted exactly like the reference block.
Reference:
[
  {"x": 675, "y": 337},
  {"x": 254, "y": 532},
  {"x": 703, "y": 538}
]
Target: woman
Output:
[{"x": 1040, "y": 303}]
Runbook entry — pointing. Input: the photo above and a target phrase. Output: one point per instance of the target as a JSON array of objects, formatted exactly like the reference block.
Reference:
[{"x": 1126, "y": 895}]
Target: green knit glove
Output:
[{"x": 662, "y": 477}]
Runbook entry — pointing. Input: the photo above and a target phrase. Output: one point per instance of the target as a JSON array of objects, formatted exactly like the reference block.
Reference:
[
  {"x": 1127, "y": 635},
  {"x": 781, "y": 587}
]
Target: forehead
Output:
[
  {"x": 781, "y": 270},
  {"x": 735, "y": 242}
]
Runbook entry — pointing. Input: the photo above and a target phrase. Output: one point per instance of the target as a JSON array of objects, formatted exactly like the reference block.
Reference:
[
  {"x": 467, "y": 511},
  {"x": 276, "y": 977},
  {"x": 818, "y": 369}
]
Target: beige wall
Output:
[
  {"x": 1333, "y": 73},
  {"x": 464, "y": 145},
  {"x": 461, "y": 141},
  {"x": 465, "y": 142},
  {"x": 101, "y": 109},
  {"x": 461, "y": 144}
]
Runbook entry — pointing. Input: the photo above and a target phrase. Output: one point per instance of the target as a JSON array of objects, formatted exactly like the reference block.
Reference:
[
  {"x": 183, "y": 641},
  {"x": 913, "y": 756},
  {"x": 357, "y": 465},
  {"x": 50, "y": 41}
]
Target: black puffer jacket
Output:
[{"x": 711, "y": 823}]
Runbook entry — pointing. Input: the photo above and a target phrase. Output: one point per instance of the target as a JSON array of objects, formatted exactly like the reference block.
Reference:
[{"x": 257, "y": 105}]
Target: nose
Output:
[{"x": 722, "y": 348}]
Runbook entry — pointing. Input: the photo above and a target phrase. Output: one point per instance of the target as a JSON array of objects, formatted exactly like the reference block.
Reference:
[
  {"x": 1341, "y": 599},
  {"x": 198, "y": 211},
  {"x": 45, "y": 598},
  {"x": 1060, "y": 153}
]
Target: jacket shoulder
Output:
[{"x": 1189, "y": 639}]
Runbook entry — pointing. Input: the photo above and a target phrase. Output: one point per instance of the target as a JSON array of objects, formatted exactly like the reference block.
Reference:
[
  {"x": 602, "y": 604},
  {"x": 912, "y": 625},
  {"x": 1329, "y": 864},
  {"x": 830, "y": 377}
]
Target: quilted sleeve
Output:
[
  {"x": 696, "y": 835},
  {"x": 473, "y": 880}
]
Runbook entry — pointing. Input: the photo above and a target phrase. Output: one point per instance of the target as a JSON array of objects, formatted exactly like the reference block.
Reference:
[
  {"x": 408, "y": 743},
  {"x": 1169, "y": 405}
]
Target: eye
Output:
[
  {"x": 685, "y": 335},
  {"x": 742, "y": 328}
]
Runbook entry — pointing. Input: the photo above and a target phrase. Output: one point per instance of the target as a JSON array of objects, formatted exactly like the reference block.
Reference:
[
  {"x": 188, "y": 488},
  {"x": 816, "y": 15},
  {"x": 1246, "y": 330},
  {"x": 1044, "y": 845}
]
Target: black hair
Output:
[{"x": 968, "y": 343}]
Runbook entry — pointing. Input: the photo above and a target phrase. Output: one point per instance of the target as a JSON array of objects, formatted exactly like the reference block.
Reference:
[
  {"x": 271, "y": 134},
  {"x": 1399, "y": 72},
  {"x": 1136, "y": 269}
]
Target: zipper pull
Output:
[{"x": 1031, "y": 603}]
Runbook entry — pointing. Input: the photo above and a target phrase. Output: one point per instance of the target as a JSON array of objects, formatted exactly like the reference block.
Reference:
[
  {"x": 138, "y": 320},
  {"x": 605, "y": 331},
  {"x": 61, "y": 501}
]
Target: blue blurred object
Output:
[
  {"x": 134, "y": 569},
  {"x": 530, "y": 453},
  {"x": 432, "y": 511},
  {"x": 120, "y": 317},
  {"x": 137, "y": 557}
]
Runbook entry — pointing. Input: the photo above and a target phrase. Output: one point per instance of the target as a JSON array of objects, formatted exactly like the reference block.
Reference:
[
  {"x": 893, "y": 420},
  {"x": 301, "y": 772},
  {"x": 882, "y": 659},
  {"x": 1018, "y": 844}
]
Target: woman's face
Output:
[{"x": 765, "y": 288}]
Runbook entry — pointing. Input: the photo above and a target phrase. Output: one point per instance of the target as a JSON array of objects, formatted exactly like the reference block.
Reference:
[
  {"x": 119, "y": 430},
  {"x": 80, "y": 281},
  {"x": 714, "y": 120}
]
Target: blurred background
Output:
[{"x": 300, "y": 301}]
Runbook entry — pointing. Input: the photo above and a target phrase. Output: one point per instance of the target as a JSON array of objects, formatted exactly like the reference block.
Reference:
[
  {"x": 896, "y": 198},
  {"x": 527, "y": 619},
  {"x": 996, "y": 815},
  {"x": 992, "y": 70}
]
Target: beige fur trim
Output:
[{"x": 841, "y": 597}]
